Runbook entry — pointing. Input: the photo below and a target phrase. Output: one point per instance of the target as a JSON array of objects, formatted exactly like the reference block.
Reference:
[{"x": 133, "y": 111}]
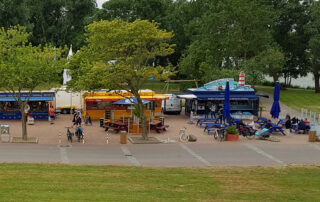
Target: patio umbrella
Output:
[
  {"x": 130, "y": 101},
  {"x": 226, "y": 107},
  {"x": 275, "y": 109}
]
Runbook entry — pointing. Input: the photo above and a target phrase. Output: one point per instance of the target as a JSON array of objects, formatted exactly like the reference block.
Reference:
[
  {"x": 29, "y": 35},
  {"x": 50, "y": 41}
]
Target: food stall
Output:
[
  {"x": 38, "y": 105},
  {"x": 244, "y": 103},
  {"x": 99, "y": 104}
]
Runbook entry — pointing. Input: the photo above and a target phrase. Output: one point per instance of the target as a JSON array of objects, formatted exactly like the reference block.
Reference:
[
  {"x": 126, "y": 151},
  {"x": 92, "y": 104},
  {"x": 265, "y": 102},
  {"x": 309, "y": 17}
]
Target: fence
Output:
[{"x": 313, "y": 118}]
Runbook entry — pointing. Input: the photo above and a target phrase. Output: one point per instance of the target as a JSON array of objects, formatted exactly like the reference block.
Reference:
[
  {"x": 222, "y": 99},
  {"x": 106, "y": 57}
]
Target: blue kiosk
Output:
[
  {"x": 39, "y": 103},
  {"x": 243, "y": 100}
]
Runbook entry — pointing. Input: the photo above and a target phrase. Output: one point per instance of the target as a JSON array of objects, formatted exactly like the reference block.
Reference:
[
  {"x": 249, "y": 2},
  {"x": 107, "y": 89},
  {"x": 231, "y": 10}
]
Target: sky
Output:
[{"x": 100, "y": 2}]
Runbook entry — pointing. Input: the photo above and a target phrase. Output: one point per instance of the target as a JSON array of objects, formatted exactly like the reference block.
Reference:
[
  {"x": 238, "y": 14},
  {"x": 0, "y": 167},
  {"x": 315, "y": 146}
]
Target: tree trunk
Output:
[
  {"x": 275, "y": 78},
  {"x": 142, "y": 115},
  {"x": 316, "y": 82},
  {"x": 24, "y": 122}
]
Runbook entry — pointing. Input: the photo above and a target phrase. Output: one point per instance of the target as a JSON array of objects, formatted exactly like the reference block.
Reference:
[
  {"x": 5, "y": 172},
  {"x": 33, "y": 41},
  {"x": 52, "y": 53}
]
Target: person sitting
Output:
[
  {"x": 302, "y": 126},
  {"x": 307, "y": 122},
  {"x": 287, "y": 123},
  {"x": 79, "y": 133},
  {"x": 294, "y": 120},
  {"x": 268, "y": 124}
]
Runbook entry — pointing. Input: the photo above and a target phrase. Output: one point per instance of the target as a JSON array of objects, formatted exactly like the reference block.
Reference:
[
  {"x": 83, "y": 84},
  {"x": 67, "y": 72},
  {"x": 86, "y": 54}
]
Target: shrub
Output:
[{"x": 232, "y": 130}]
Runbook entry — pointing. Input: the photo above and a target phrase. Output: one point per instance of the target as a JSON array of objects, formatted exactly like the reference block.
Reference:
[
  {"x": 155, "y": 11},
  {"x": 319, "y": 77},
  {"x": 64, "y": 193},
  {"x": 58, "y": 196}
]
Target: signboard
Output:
[
  {"x": 4, "y": 129},
  {"x": 35, "y": 94}
]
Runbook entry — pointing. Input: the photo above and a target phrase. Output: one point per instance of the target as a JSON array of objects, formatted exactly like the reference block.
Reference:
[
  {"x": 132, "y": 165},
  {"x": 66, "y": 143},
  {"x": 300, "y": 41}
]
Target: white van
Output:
[{"x": 171, "y": 105}]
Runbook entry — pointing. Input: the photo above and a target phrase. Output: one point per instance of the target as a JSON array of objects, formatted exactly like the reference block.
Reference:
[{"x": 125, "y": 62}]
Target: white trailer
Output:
[
  {"x": 171, "y": 105},
  {"x": 65, "y": 100}
]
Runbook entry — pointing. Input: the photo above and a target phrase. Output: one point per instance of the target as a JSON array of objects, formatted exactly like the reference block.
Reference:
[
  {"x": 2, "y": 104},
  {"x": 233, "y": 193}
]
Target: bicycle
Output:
[
  {"x": 69, "y": 134},
  {"x": 182, "y": 135},
  {"x": 220, "y": 134}
]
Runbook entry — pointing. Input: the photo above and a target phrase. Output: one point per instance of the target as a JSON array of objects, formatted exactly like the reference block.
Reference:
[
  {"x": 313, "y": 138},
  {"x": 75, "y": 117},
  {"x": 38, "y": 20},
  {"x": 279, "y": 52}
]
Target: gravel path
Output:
[{"x": 267, "y": 103}]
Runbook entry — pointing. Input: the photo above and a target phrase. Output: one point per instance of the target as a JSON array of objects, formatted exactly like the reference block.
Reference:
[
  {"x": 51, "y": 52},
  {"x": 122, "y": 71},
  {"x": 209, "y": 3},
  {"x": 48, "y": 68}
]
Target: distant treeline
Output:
[{"x": 214, "y": 38}]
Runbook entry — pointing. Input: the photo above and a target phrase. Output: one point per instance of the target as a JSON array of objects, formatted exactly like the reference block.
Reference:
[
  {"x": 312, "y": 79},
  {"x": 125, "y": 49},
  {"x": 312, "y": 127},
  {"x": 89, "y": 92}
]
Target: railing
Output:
[{"x": 310, "y": 115}]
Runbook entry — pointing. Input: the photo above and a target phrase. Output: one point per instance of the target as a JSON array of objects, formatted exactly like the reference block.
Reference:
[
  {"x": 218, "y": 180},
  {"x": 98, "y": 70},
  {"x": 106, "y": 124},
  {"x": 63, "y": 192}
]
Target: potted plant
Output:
[{"x": 232, "y": 134}]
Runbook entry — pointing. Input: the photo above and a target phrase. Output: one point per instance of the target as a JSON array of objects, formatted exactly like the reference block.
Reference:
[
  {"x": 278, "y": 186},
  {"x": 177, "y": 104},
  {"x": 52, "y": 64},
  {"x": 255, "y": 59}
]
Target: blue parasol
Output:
[
  {"x": 226, "y": 107},
  {"x": 130, "y": 101},
  {"x": 275, "y": 109}
]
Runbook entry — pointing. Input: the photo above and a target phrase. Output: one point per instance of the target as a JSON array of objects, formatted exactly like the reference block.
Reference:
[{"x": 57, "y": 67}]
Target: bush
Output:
[{"x": 232, "y": 130}]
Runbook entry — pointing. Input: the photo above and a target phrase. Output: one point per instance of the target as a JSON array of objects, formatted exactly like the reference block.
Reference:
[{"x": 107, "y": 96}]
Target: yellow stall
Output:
[{"x": 99, "y": 105}]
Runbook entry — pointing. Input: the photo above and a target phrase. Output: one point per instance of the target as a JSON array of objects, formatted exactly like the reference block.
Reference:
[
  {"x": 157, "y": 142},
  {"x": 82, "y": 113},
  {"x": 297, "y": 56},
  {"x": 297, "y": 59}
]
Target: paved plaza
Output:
[
  {"x": 168, "y": 155},
  {"x": 292, "y": 149}
]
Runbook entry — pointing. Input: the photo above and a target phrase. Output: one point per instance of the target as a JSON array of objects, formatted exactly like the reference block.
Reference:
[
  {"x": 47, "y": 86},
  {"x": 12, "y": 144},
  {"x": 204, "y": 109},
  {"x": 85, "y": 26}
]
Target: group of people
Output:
[
  {"x": 77, "y": 118},
  {"x": 78, "y": 132},
  {"x": 301, "y": 125}
]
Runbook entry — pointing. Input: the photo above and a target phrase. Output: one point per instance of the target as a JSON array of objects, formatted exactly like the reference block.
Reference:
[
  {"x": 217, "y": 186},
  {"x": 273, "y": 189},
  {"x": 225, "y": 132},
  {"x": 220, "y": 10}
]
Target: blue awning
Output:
[
  {"x": 232, "y": 97},
  {"x": 8, "y": 99}
]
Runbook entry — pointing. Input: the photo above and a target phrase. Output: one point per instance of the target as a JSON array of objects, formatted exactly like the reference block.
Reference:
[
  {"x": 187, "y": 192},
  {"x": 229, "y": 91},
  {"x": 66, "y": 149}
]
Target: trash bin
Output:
[
  {"x": 161, "y": 118},
  {"x": 312, "y": 136},
  {"x": 123, "y": 137},
  {"x": 101, "y": 122}
]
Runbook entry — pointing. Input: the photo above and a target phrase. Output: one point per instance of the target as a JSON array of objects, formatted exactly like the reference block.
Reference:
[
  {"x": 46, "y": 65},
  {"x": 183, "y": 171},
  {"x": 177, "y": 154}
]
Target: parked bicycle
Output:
[
  {"x": 247, "y": 132},
  {"x": 182, "y": 135},
  {"x": 220, "y": 134},
  {"x": 69, "y": 134}
]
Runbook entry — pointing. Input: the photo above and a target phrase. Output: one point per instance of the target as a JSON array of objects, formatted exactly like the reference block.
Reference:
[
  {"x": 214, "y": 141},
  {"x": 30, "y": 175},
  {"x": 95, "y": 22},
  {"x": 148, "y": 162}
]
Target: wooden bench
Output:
[{"x": 161, "y": 128}]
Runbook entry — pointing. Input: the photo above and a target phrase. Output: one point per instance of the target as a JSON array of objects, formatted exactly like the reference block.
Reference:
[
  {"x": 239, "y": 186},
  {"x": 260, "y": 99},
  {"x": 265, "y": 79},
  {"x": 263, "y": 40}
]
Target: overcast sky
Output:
[{"x": 100, "y": 2}]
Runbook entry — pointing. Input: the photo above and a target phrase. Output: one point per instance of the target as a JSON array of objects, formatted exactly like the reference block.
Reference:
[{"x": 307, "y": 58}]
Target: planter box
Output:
[{"x": 233, "y": 137}]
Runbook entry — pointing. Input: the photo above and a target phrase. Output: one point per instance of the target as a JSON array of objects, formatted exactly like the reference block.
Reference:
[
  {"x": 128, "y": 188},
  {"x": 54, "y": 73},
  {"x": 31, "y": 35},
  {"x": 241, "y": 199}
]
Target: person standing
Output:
[
  {"x": 213, "y": 111},
  {"x": 51, "y": 114}
]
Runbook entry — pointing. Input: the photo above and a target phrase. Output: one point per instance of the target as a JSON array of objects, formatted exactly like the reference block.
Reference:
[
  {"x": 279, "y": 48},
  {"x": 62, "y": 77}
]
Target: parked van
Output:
[{"x": 172, "y": 105}]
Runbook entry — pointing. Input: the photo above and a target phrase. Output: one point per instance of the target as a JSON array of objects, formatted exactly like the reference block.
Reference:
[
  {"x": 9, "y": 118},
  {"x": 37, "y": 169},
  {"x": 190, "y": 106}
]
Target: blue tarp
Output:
[{"x": 8, "y": 99}]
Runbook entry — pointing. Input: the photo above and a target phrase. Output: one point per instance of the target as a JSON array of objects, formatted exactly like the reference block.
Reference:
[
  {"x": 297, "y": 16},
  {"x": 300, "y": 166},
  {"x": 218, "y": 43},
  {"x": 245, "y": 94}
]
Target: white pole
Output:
[
  {"x": 128, "y": 126},
  {"x": 149, "y": 122},
  {"x": 71, "y": 103},
  {"x": 82, "y": 138},
  {"x": 107, "y": 137},
  {"x": 59, "y": 138},
  {"x": 138, "y": 127}
]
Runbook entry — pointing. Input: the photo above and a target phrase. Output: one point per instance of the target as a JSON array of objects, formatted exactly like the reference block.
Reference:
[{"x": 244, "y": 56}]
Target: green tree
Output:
[
  {"x": 228, "y": 33},
  {"x": 270, "y": 62},
  {"x": 119, "y": 55},
  {"x": 24, "y": 67},
  {"x": 14, "y": 12},
  {"x": 290, "y": 34},
  {"x": 60, "y": 22},
  {"x": 313, "y": 27}
]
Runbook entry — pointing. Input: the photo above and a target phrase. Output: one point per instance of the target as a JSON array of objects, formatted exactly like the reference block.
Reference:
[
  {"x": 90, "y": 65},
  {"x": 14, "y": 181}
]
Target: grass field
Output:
[
  {"x": 296, "y": 98},
  {"x": 55, "y": 182},
  {"x": 160, "y": 87}
]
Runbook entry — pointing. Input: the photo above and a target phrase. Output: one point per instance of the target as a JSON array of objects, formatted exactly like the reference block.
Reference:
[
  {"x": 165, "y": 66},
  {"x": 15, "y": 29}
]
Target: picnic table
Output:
[
  {"x": 261, "y": 121},
  {"x": 157, "y": 126},
  {"x": 276, "y": 128},
  {"x": 116, "y": 126},
  {"x": 212, "y": 126},
  {"x": 206, "y": 120}
]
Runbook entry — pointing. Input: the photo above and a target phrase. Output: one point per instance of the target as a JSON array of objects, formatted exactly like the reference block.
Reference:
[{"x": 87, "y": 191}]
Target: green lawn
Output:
[
  {"x": 160, "y": 86},
  {"x": 296, "y": 98},
  {"x": 55, "y": 182}
]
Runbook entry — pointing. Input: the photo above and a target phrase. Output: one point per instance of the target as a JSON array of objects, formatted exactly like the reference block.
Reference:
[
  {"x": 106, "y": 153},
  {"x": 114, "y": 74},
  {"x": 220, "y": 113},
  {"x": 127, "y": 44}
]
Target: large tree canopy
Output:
[
  {"x": 119, "y": 56},
  {"x": 313, "y": 28},
  {"x": 24, "y": 67},
  {"x": 227, "y": 33}
]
